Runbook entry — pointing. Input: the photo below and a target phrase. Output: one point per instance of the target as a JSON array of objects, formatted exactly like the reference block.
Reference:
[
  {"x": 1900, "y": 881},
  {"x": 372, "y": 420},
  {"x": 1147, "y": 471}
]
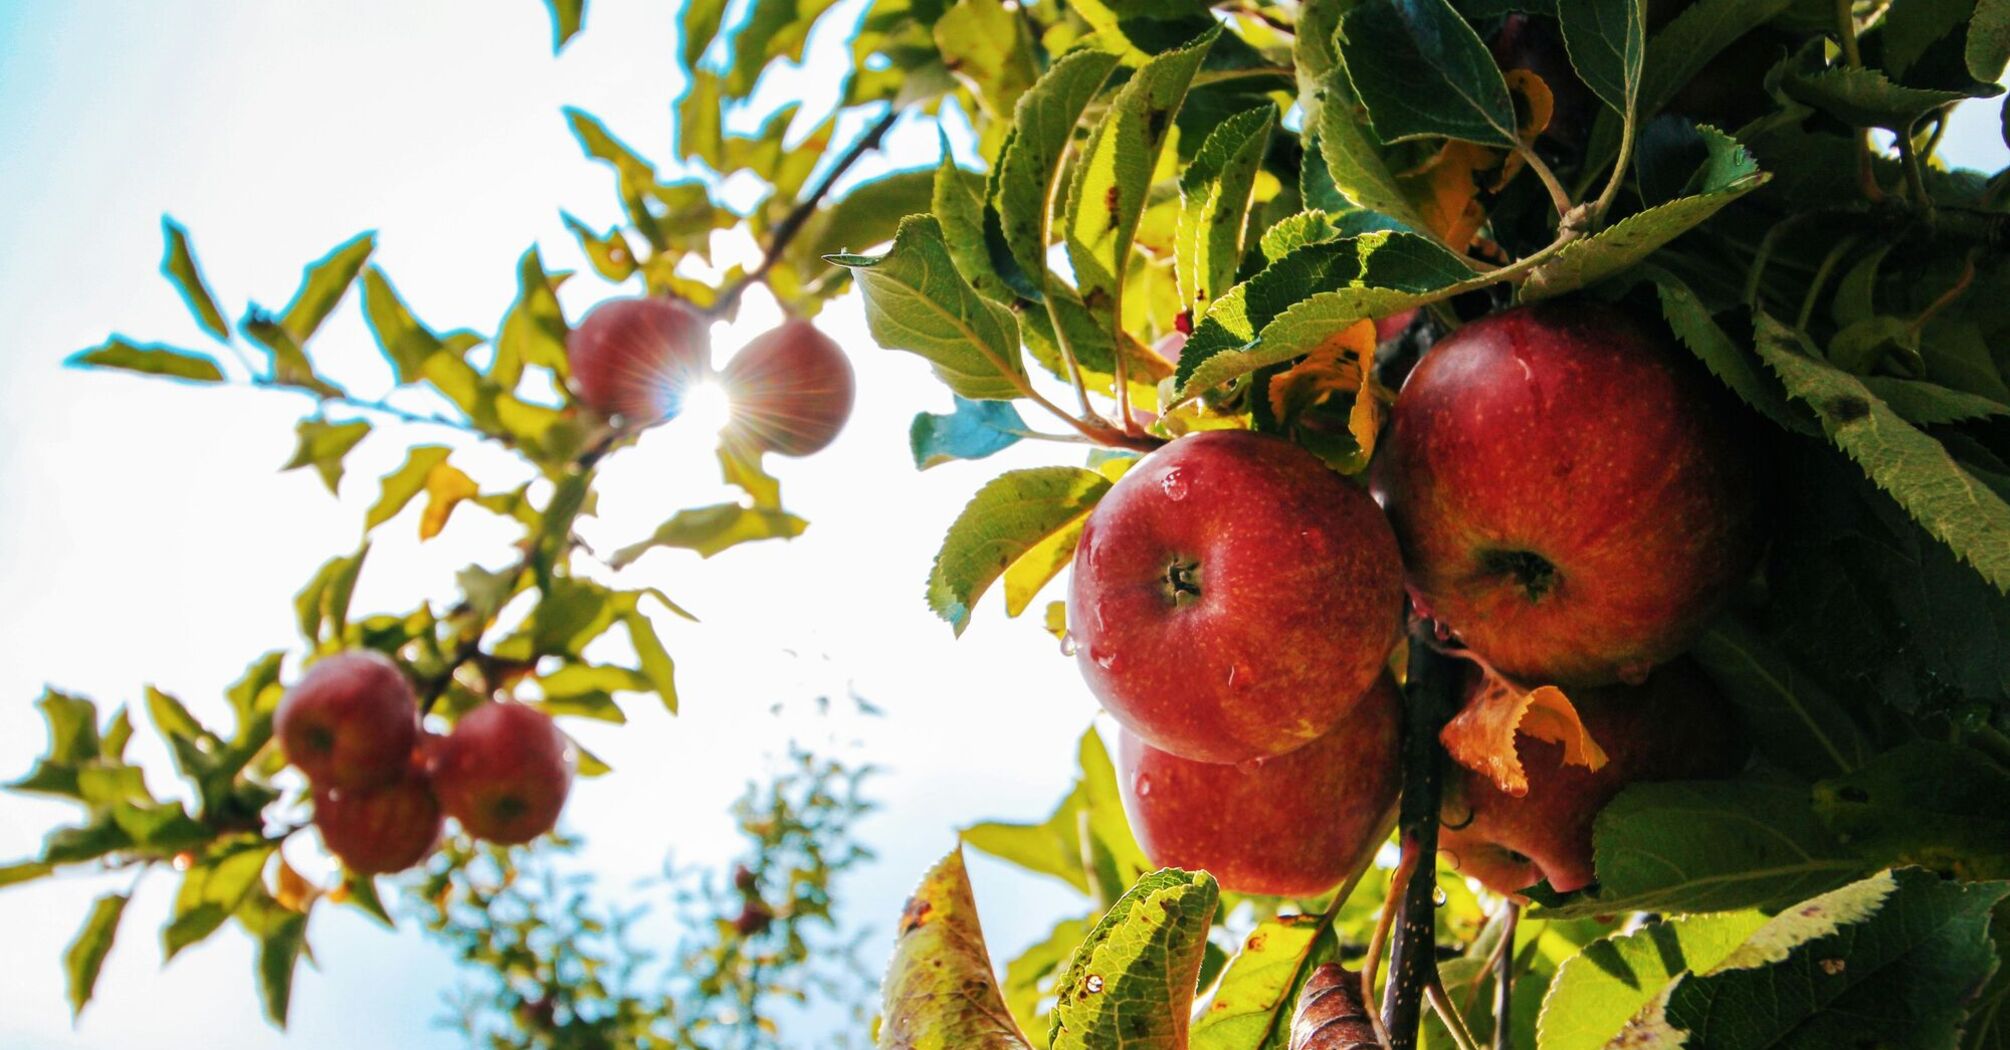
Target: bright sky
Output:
[{"x": 146, "y": 537}]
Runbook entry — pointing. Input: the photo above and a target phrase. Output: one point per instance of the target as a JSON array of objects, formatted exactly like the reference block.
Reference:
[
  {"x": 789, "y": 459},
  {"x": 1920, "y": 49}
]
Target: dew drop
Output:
[
  {"x": 1094, "y": 984},
  {"x": 1438, "y": 896},
  {"x": 1106, "y": 659},
  {"x": 1067, "y": 643},
  {"x": 1144, "y": 785},
  {"x": 1174, "y": 485}
]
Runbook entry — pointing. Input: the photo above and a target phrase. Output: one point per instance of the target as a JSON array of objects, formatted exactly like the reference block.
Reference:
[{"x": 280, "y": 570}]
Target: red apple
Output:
[
  {"x": 381, "y": 829},
  {"x": 791, "y": 389},
  {"x": 503, "y": 772},
  {"x": 1571, "y": 494},
  {"x": 1674, "y": 726},
  {"x": 1232, "y": 597},
  {"x": 1295, "y": 825},
  {"x": 634, "y": 358},
  {"x": 1169, "y": 346},
  {"x": 350, "y": 722},
  {"x": 1387, "y": 328}
]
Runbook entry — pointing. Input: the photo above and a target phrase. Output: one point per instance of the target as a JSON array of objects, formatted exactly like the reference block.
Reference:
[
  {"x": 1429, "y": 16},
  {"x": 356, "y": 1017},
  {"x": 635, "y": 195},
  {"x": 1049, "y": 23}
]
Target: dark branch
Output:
[{"x": 1429, "y": 700}]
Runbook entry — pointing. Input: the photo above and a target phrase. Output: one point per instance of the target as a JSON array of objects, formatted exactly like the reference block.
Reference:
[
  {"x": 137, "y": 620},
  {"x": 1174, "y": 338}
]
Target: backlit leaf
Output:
[
  {"x": 916, "y": 301},
  {"x": 1595, "y": 993},
  {"x": 178, "y": 265},
  {"x": 1131, "y": 983},
  {"x": 322, "y": 445},
  {"x": 1481, "y": 736},
  {"x": 149, "y": 359},
  {"x": 1007, "y": 518},
  {"x": 399, "y": 486},
  {"x": 939, "y": 993},
  {"x": 86, "y": 954},
  {"x": 709, "y": 530}
]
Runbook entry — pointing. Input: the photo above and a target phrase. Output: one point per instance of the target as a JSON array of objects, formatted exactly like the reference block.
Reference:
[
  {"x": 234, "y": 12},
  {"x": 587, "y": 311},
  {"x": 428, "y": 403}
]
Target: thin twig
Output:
[
  {"x": 377, "y": 405},
  {"x": 1399, "y": 882},
  {"x": 1946, "y": 298},
  {"x": 1504, "y": 978},
  {"x": 1821, "y": 280},
  {"x": 1915, "y": 175},
  {"x": 792, "y": 223},
  {"x": 1558, "y": 197},
  {"x": 1429, "y": 698},
  {"x": 1434, "y": 991}
]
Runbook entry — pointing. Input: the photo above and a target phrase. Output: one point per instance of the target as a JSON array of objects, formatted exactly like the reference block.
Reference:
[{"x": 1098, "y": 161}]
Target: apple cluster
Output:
[
  {"x": 383, "y": 785},
  {"x": 636, "y": 359},
  {"x": 1558, "y": 489}
]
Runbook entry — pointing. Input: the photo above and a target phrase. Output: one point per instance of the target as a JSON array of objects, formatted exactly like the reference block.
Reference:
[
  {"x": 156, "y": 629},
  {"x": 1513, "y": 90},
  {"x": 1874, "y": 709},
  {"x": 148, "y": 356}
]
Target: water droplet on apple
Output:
[
  {"x": 1174, "y": 485},
  {"x": 1067, "y": 643},
  {"x": 1106, "y": 659},
  {"x": 1144, "y": 785},
  {"x": 1094, "y": 984},
  {"x": 1438, "y": 896}
]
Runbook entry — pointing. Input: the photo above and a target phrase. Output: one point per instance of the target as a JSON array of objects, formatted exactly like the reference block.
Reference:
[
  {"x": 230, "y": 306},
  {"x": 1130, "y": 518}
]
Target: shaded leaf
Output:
[
  {"x": 1792, "y": 719},
  {"x": 1421, "y": 71},
  {"x": 1929, "y": 803},
  {"x": 1607, "y": 41},
  {"x": 1729, "y": 361}
]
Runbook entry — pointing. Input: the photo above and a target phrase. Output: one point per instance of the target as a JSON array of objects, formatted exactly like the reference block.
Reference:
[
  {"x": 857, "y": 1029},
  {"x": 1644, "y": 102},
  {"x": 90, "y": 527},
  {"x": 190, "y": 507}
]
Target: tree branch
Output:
[
  {"x": 1429, "y": 700},
  {"x": 792, "y": 223}
]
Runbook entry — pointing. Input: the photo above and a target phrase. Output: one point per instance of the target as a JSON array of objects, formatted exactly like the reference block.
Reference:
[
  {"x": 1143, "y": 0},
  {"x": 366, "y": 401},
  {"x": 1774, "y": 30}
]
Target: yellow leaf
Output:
[
  {"x": 292, "y": 890},
  {"x": 1447, "y": 187},
  {"x": 1482, "y": 736},
  {"x": 1335, "y": 366},
  {"x": 1057, "y": 619},
  {"x": 446, "y": 487}
]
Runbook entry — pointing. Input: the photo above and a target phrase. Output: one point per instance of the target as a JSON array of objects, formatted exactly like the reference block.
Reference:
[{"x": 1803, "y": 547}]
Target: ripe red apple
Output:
[
  {"x": 1232, "y": 597},
  {"x": 1294, "y": 825},
  {"x": 1387, "y": 328},
  {"x": 634, "y": 358},
  {"x": 1571, "y": 494},
  {"x": 1674, "y": 726},
  {"x": 1169, "y": 346},
  {"x": 503, "y": 772},
  {"x": 350, "y": 722},
  {"x": 381, "y": 829},
  {"x": 791, "y": 389}
]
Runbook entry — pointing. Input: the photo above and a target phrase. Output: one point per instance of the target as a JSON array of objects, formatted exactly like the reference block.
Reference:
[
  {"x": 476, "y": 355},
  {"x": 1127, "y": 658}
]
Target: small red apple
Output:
[
  {"x": 1674, "y": 726},
  {"x": 382, "y": 829},
  {"x": 634, "y": 358},
  {"x": 1169, "y": 346},
  {"x": 1571, "y": 496},
  {"x": 350, "y": 722},
  {"x": 503, "y": 772},
  {"x": 754, "y": 919},
  {"x": 1387, "y": 328},
  {"x": 791, "y": 389},
  {"x": 1294, "y": 825},
  {"x": 1232, "y": 597}
]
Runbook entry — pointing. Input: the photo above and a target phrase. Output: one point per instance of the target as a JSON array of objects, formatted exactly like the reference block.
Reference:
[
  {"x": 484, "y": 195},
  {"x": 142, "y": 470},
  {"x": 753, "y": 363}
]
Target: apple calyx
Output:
[
  {"x": 1182, "y": 583},
  {"x": 1533, "y": 573}
]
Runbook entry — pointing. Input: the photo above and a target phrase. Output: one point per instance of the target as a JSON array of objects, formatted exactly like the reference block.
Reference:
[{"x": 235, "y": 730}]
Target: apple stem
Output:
[
  {"x": 1429, "y": 699},
  {"x": 1504, "y": 976},
  {"x": 793, "y": 222}
]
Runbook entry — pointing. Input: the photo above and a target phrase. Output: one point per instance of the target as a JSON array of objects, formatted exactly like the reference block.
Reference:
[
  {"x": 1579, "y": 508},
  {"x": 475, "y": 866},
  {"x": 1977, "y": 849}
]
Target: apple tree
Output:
[{"x": 1532, "y": 479}]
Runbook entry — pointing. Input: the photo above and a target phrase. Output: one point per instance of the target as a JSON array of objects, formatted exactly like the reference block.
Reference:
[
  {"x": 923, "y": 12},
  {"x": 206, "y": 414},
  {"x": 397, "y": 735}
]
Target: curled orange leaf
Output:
[{"x": 1482, "y": 736}]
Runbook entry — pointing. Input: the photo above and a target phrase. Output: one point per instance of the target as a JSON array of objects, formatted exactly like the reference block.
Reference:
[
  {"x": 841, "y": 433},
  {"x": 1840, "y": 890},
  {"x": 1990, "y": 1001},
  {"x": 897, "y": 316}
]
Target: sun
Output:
[{"x": 708, "y": 406}]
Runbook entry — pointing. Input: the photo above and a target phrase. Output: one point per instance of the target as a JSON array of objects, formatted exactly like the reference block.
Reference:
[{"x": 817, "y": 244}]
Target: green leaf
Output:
[
  {"x": 1301, "y": 300},
  {"x": 25, "y": 871},
  {"x": 1710, "y": 846},
  {"x": 73, "y": 740},
  {"x": 916, "y": 301},
  {"x": 1113, "y": 177},
  {"x": 1929, "y": 404},
  {"x": 1598, "y": 990},
  {"x": 1029, "y": 978},
  {"x": 1888, "y": 961},
  {"x": 1422, "y": 71},
  {"x": 649, "y": 651},
  {"x": 566, "y": 17},
  {"x": 178, "y": 265},
  {"x": 1965, "y": 514},
  {"x": 574, "y": 679},
  {"x": 323, "y": 285},
  {"x": 1864, "y": 98},
  {"x": 956, "y": 198},
  {"x": 1132, "y": 980},
  {"x": 974, "y": 430},
  {"x": 1043, "y": 122},
  {"x": 324, "y": 602},
  {"x": 1730, "y": 362},
  {"x": 1055, "y": 846},
  {"x": 988, "y": 46},
  {"x": 1253, "y": 1003},
  {"x": 1794, "y": 721},
  {"x": 1350, "y": 151},
  {"x": 281, "y": 934},
  {"x": 210, "y": 892},
  {"x": 149, "y": 359},
  {"x": 534, "y": 329},
  {"x": 1690, "y": 40},
  {"x": 322, "y": 445},
  {"x": 696, "y": 28},
  {"x": 1008, "y": 517},
  {"x": 1607, "y": 41},
  {"x": 1988, "y": 46},
  {"x": 1215, "y": 192},
  {"x": 709, "y": 530},
  {"x": 1928, "y": 803},
  {"x": 400, "y": 485},
  {"x": 407, "y": 344},
  {"x": 86, "y": 954},
  {"x": 1727, "y": 174},
  {"x": 939, "y": 993}
]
